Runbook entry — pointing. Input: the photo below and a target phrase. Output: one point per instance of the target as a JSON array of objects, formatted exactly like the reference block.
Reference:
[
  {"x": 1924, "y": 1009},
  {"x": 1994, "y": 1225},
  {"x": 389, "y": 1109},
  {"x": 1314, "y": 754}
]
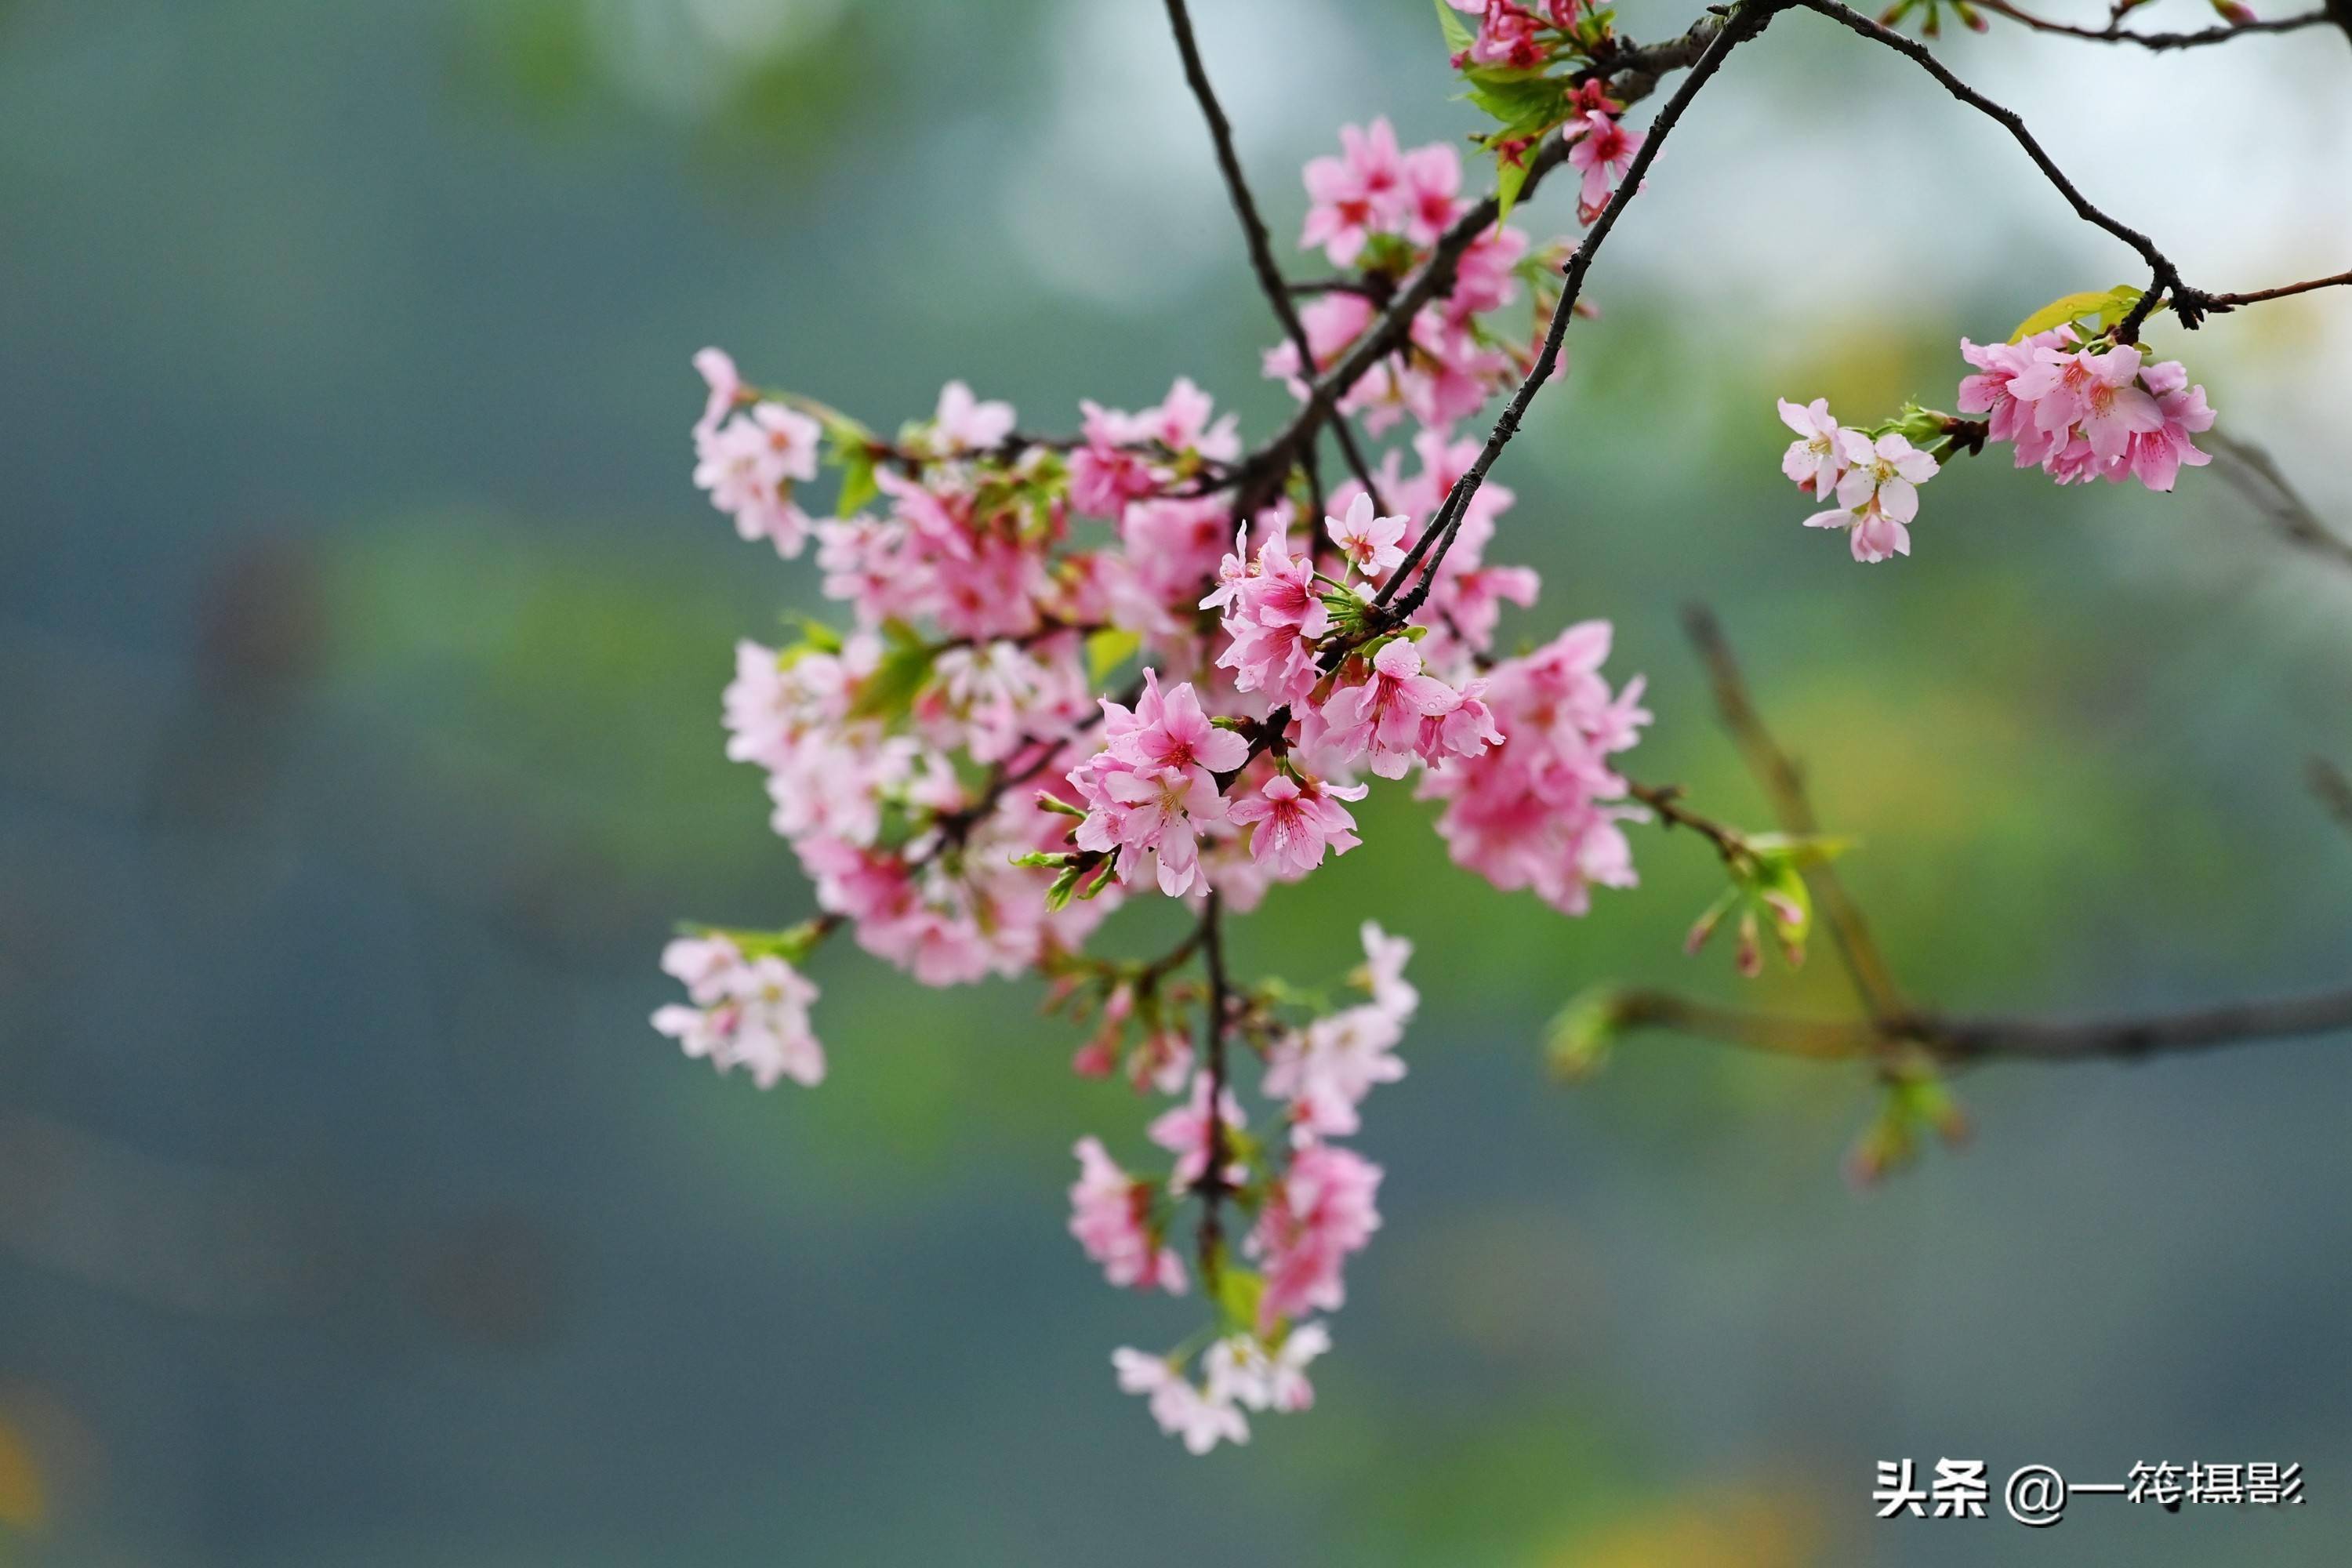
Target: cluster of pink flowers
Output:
[
  {"x": 1315, "y": 1201},
  {"x": 1517, "y": 35},
  {"x": 1066, "y": 670},
  {"x": 751, "y": 1013},
  {"x": 2081, "y": 411},
  {"x": 1875, "y": 480},
  {"x": 2076, "y": 410},
  {"x": 1541, "y": 810},
  {"x": 1385, "y": 208},
  {"x": 749, "y": 452}
]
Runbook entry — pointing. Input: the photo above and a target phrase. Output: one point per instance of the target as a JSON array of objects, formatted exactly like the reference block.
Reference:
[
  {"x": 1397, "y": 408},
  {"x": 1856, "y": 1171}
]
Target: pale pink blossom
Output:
[
  {"x": 751, "y": 1013},
  {"x": 1373, "y": 545},
  {"x": 1816, "y": 459},
  {"x": 1182, "y": 1409},
  {"x": 964, "y": 424},
  {"x": 1186, "y": 1132},
  {"x": 1110, "y": 1215},
  {"x": 1315, "y": 1213}
]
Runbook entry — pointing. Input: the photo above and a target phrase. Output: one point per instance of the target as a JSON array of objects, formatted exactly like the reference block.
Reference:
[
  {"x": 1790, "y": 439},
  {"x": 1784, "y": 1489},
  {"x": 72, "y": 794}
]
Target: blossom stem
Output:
[{"x": 2115, "y": 32}]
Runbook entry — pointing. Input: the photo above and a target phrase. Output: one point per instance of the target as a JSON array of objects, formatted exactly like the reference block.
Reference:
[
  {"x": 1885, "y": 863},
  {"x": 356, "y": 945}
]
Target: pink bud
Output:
[{"x": 1095, "y": 1059}]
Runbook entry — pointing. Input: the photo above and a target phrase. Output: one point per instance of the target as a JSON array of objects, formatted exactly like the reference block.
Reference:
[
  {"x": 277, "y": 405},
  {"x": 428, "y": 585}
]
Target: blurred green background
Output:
[{"x": 361, "y": 641}]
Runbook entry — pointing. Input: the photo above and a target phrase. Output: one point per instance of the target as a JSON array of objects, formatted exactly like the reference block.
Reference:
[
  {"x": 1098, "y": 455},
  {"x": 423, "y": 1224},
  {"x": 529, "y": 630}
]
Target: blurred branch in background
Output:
[
  {"x": 1784, "y": 783},
  {"x": 2254, "y": 474},
  {"x": 2333, "y": 789},
  {"x": 1891, "y": 1027}
]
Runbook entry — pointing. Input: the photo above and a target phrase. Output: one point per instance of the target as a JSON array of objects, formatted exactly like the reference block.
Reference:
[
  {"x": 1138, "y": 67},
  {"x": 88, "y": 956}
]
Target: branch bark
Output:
[
  {"x": 1966, "y": 1038},
  {"x": 1254, "y": 231}
]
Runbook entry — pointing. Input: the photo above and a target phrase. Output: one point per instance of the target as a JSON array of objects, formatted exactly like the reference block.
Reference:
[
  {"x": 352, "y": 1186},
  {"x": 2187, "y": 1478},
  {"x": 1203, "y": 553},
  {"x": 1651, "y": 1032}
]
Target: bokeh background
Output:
[{"x": 361, "y": 641}]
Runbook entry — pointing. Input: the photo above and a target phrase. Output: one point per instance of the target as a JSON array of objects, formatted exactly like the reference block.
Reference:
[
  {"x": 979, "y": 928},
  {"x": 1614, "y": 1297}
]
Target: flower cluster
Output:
[
  {"x": 1385, "y": 209},
  {"x": 2078, "y": 409},
  {"x": 1140, "y": 660},
  {"x": 1315, "y": 1202},
  {"x": 751, "y": 1013},
  {"x": 1874, "y": 480},
  {"x": 2081, "y": 411}
]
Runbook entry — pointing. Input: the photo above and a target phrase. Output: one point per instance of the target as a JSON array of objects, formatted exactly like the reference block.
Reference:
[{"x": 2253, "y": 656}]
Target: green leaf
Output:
[
  {"x": 1458, "y": 36},
  {"x": 857, "y": 486},
  {"x": 889, "y": 692},
  {"x": 2109, "y": 307},
  {"x": 1239, "y": 1290},
  {"x": 1511, "y": 176},
  {"x": 1108, "y": 650}
]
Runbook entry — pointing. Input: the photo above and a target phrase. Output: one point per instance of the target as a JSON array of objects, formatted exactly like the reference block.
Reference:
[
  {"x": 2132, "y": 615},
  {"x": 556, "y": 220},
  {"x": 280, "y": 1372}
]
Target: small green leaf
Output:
[
  {"x": 1510, "y": 177},
  {"x": 2108, "y": 307},
  {"x": 857, "y": 486},
  {"x": 1108, "y": 650},
  {"x": 1239, "y": 1291},
  {"x": 889, "y": 692},
  {"x": 1458, "y": 36}
]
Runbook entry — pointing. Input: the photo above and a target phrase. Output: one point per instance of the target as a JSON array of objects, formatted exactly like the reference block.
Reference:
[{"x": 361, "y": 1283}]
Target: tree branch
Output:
[
  {"x": 1633, "y": 73},
  {"x": 1254, "y": 232},
  {"x": 2251, "y": 472},
  {"x": 1784, "y": 785},
  {"x": 2333, "y": 789},
  {"x": 1211, "y": 1184},
  {"x": 1962, "y": 1039},
  {"x": 1744, "y": 23},
  {"x": 2115, "y": 32}
]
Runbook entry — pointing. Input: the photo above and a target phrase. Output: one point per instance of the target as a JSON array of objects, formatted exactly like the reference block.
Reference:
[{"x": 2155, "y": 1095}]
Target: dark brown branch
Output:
[
  {"x": 2167, "y": 277},
  {"x": 1254, "y": 232},
  {"x": 2333, "y": 789},
  {"x": 1633, "y": 74},
  {"x": 2115, "y": 32},
  {"x": 1212, "y": 1185},
  {"x": 1784, "y": 785},
  {"x": 1961, "y": 1038},
  {"x": 2252, "y": 473},
  {"x": 1666, "y": 801},
  {"x": 1743, "y": 25},
  {"x": 2217, "y": 303}
]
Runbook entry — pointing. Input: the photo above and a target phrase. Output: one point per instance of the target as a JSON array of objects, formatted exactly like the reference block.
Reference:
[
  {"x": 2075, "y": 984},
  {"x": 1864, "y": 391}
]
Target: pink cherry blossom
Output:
[
  {"x": 964, "y": 424},
  {"x": 751, "y": 1013},
  {"x": 1373, "y": 545},
  {"x": 1320, "y": 1211},
  {"x": 1110, "y": 1215},
  {"x": 1380, "y": 719},
  {"x": 1354, "y": 195},
  {"x": 1186, "y": 1131},
  {"x": 1603, "y": 149},
  {"x": 1295, "y": 824},
  {"x": 1816, "y": 460}
]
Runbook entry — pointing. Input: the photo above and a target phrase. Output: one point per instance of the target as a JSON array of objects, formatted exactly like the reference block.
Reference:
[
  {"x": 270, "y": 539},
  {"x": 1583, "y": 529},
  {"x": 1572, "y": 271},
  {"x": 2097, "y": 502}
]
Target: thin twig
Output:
[
  {"x": 2115, "y": 32},
  {"x": 1633, "y": 73},
  {"x": 2254, "y": 474},
  {"x": 1960, "y": 1038},
  {"x": 1254, "y": 231},
  {"x": 1744, "y": 24},
  {"x": 1784, "y": 785}
]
